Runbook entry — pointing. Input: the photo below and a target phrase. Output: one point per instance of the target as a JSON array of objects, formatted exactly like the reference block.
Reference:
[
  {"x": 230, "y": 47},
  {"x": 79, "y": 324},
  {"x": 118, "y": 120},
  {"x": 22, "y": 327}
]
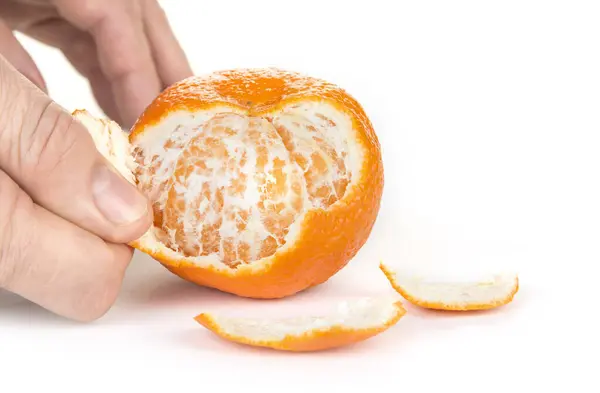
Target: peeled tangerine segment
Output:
[
  {"x": 234, "y": 192},
  {"x": 483, "y": 291},
  {"x": 352, "y": 322}
]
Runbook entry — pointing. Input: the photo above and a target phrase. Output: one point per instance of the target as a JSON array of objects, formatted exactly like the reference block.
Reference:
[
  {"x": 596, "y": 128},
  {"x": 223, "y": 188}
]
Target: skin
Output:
[{"x": 65, "y": 214}]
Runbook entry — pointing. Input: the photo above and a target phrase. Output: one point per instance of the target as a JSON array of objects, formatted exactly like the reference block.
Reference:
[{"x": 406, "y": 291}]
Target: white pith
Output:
[
  {"x": 475, "y": 289},
  {"x": 179, "y": 128},
  {"x": 111, "y": 142},
  {"x": 357, "y": 314}
]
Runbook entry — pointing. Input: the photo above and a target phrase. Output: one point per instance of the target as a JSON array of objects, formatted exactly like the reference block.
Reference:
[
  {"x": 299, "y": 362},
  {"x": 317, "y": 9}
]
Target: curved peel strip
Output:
[
  {"x": 353, "y": 321},
  {"x": 488, "y": 292}
]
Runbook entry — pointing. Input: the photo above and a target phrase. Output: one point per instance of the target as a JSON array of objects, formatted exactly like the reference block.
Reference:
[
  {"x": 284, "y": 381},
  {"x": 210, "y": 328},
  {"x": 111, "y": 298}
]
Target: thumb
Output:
[{"x": 52, "y": 157}]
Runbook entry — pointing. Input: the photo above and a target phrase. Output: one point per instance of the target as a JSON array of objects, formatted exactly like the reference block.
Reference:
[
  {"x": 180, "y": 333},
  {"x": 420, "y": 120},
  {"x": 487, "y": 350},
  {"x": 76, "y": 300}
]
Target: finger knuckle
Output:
[
  {"x": 160, "y": 11},
  {"x": 15, "y": 239},
  {"x": 89, "y": 12},
  {"x": 50, "y": 143},
  {"x": 98, "y": 298},
  {"x": 83, "y": 54},
  {"x": 11, "y": 115}
]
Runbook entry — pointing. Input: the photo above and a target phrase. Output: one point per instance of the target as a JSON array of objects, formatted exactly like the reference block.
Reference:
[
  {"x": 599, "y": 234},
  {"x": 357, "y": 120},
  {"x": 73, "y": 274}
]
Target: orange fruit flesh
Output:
[
  {"x": 263, "y": 182},
  {"x": 235, "y": 192}
]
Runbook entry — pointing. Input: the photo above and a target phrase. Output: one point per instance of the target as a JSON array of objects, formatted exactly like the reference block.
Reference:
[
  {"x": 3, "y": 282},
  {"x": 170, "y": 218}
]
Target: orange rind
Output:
[
  {"x": 486, "y": 291},
  {"x": 263, "y": 182},
  {"x": 353, "y": 321}
]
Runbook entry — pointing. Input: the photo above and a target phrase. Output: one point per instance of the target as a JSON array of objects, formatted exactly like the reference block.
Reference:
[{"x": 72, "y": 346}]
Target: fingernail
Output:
[{"x": 117, "y": 199}]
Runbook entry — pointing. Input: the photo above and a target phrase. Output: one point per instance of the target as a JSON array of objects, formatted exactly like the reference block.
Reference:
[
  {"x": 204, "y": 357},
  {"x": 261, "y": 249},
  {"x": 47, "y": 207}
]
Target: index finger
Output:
[
  {"x": 171, "y": 62},
  {"x": 124, "y": 54},
  {"x": 13, "y": 51}
]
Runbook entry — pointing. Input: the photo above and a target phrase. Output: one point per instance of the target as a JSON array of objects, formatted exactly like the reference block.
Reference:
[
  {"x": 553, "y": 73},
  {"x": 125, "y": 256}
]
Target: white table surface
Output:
[{"x": 488, "y": 119}]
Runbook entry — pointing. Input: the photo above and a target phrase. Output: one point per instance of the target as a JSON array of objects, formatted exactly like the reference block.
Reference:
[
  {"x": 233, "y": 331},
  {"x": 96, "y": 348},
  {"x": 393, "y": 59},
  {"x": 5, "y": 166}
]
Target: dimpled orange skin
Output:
[{"x": 328, "y": 239}]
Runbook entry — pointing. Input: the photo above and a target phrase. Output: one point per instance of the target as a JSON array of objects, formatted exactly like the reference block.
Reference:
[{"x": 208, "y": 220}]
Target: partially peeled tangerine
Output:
[{"x": 263, "y": 182}]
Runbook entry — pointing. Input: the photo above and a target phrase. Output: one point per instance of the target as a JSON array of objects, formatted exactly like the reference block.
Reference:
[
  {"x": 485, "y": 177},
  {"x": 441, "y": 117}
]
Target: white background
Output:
[{"x": 488, "y": 115}]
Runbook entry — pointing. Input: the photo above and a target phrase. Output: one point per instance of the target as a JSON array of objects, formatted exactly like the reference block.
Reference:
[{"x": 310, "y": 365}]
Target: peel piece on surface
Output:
[
  {"x": 454, "y": 294},
  {"x": 353, "y": 321}
]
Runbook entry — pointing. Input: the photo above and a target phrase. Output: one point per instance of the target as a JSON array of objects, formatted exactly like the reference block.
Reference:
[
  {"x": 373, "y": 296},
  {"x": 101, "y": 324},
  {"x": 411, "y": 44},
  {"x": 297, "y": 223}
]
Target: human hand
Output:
[
  {"x": 125, "y": 48},
  {"x": 64, "y": 213}
]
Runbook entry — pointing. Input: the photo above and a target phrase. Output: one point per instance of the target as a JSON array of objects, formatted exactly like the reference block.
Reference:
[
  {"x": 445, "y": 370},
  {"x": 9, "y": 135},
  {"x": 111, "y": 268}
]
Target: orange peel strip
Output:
[
  {"x": 352, "y": 322},
  {"x": 487, "y": 292}
]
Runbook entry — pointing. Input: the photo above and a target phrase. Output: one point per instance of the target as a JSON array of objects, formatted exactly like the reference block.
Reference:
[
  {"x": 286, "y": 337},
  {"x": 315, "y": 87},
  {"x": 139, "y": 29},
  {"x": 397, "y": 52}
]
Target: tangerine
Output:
[{"x": 263, "y": 182}]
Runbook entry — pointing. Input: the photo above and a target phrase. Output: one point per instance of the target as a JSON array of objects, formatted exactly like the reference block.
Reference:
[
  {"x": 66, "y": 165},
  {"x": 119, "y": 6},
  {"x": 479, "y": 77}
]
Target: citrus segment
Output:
[
  {"x": 315, "y": 145},
  {"x": 352, "y": 322},
  {"x": 487, "y": 292},
  {"x": 235, "y": 192}
]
